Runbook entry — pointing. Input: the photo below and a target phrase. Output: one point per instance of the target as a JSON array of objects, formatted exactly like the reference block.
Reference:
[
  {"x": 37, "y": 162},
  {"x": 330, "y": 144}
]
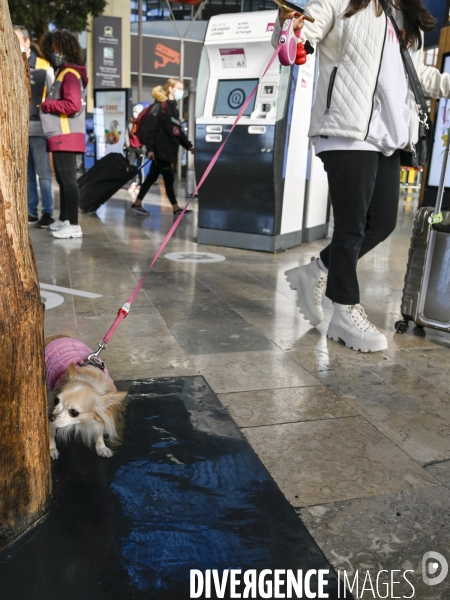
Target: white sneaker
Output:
[
  {"x": 57, "y": 224},
  {"x": 350, "y": 324},
  {"x": 310, "y": 282},
  {"x": 68, "y": 231}
]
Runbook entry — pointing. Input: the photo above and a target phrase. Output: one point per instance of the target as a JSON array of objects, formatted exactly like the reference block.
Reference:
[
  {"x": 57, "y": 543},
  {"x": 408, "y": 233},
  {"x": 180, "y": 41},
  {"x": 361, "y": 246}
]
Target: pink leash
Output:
[{"x": 123, "y": 312}]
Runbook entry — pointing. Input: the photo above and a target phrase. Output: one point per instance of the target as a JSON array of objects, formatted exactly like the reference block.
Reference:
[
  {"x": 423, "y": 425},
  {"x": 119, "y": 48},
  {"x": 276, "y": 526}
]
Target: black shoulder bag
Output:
[{"x": 420, "y": 152}]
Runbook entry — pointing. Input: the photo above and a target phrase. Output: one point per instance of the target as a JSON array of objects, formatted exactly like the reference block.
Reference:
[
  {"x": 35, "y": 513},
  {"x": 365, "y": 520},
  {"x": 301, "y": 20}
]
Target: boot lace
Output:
[
  {"x": 360, "y": 319},
  {"x": 319, "y": 289}
]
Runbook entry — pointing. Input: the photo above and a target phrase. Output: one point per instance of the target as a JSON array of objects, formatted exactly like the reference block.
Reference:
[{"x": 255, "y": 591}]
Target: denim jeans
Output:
[
  {"x": 39, "y": 164},
  {"x": 364, "y": 192}
]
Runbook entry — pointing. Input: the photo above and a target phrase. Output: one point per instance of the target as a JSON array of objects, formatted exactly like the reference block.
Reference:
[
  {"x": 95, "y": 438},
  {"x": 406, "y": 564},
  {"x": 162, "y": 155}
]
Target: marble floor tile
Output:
[
  {"x": 325, "y": 461},
  {"x": 243, "y": 371},
  {"x": 391, "y": 531},
  {"x": 149, "y": 326},
  {"x": 235, "y": 337},
  {"x": 288, "y": 405},
  {"x": 279, "y": 320},
  {"x": 409, "y": 410},
  {"x": 441, "y": 471},
  {"x": 197, "y": 315},
  {"x": 63, "y": 324},
  {"x": 431, "y": 364},
  {"x": 236, "y": 286},
  {"x": 123, "y": 363}
]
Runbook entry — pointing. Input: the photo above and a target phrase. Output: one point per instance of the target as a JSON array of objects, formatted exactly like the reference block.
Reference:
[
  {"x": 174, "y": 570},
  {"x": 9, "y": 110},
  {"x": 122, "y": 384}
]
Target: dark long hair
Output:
[
  {"x": 64, "y": 42},
  {"x": 416, "y": 18}
]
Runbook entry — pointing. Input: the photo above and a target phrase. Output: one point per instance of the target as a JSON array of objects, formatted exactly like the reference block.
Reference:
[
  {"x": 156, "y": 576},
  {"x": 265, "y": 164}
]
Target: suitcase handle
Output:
[
  {"x": 145, "y": 164},
  {"x": 440, "y": 194}
]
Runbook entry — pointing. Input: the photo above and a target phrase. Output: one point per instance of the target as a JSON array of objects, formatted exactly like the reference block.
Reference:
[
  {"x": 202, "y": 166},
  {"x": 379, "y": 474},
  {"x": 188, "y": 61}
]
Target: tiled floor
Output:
[{"x": 359, "y": 444}]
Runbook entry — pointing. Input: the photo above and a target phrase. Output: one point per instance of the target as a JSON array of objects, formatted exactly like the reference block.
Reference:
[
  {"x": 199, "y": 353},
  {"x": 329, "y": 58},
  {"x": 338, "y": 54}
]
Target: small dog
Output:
[{"x": 86, "y": 402}]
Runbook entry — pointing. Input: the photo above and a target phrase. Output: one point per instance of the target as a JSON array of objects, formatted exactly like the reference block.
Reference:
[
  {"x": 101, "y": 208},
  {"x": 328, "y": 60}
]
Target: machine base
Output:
[
  {"x": 249, "y": 241},
  {"x": 315, "y": 233}
]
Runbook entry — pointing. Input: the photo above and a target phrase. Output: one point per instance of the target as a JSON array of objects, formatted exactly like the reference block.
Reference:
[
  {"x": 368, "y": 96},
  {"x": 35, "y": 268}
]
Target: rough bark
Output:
[{"x": 25, "y": 482}]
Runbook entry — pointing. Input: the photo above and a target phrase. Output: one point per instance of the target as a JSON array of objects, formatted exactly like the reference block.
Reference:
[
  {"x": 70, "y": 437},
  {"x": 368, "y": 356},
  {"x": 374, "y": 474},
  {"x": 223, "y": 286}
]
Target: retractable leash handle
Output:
[
  {"x": 289, "y": 40},
  {"x": 292, "y": 49}
]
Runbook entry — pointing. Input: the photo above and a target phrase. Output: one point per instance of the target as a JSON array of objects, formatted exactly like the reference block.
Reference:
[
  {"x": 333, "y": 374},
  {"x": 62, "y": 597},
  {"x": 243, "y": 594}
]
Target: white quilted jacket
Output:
[{"x": 350, "y": 51}]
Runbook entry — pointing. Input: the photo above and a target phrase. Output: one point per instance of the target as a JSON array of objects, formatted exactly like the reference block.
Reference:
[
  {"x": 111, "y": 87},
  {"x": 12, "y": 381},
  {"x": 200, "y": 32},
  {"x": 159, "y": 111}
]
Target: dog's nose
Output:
[{"x": 52, "y": 418}]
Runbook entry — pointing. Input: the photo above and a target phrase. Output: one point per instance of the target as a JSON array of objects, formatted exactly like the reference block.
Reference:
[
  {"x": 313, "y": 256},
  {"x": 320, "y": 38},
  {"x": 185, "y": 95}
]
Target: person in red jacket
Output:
[{"x": 63, "y": 122}]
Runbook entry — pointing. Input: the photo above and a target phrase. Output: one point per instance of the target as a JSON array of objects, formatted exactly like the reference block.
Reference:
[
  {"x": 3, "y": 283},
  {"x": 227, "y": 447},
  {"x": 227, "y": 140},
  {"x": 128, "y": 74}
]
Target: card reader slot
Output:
[
  {"x": 214, "y": 129},
  {"x": 257, "y": 129},
  {"x": 213, "y": 137}
]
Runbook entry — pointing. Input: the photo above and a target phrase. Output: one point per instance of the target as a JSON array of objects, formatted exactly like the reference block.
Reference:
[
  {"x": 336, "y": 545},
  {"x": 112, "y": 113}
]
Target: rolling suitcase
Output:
[
  {"x": 426, "y": 294},
  {"x": 104, "y": 179}
]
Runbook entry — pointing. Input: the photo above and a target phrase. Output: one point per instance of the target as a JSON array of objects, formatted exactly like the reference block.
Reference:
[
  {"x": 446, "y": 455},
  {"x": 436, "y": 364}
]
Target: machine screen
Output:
[{"x": 231, "y": 95}]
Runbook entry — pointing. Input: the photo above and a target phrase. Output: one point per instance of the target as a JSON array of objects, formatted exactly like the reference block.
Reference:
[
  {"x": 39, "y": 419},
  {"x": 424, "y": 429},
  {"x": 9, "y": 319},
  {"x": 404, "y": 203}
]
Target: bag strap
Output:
[{"x": 409, "y": 66}]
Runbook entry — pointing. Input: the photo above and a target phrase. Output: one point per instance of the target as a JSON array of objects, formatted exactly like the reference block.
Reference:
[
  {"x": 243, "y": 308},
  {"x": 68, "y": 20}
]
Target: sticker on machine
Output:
[{"x": 232, "y": 58}]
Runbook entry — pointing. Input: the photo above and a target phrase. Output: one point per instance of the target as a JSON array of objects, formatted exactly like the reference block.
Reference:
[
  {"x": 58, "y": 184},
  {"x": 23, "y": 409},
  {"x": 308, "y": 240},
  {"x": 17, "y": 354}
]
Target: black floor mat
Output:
[{"x": 184, "y": 491}]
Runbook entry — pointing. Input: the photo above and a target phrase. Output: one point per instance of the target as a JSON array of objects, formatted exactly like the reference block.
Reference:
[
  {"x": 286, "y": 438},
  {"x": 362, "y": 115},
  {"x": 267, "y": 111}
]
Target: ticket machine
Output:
[{"x": 256, "y": 195}]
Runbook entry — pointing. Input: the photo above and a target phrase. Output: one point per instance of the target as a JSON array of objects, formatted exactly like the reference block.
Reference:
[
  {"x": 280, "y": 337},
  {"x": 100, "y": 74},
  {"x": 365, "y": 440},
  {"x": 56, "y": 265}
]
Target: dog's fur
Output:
[{"x": 85, "y": 404}]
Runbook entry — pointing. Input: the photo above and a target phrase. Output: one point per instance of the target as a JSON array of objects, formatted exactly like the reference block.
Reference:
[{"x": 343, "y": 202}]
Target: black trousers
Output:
[
  {"x": 364, "y": 190},
  {"x": 65, "y": 165},
  {"x": 166, "y": 170}
]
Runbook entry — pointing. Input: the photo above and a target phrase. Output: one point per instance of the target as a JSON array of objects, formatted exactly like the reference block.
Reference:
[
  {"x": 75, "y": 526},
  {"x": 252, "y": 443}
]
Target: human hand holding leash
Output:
[{"x": 299, "y": 20}]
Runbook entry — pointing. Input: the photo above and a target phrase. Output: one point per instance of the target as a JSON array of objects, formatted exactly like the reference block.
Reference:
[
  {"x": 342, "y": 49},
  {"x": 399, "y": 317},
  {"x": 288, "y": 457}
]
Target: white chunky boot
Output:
[
  {"x": 309, "y": 281},
  {"x": 350, "y": 324}
]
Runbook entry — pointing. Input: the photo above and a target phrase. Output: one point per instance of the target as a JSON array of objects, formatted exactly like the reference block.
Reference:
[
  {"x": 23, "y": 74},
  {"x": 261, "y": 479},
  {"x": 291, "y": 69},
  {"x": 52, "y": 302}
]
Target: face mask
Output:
[
  {"x": 178, "y": 94},
  {"x": 23, "y": 49},
  {"x": 57, "y": 59},
  {"x": 135, "y": 115}
]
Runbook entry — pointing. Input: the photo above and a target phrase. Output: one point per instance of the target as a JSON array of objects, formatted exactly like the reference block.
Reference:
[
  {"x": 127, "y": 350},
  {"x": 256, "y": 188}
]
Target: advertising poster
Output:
[
  {"x": 440, "y": 137},
  {"x": 110, "y": 121}
]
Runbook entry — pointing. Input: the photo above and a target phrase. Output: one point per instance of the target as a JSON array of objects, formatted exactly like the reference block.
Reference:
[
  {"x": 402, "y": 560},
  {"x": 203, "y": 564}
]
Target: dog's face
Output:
[
  {"x": 84, "y": 397},
  {"x": 77, "y": 402}
]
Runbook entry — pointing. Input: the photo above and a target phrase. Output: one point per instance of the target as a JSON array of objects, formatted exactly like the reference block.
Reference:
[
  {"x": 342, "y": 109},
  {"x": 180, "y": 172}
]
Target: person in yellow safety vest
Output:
[{"x": 63, "y": 121}]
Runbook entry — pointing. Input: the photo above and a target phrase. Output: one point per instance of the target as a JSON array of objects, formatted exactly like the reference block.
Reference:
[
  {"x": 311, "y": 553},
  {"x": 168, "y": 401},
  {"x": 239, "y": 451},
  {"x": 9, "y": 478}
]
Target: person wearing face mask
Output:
[
  {"x": 161, "y": 133},
  {"x": 133, "y": 147},
  {"x": 63, "y": 122},
  {"x": 42, "y": 77}
]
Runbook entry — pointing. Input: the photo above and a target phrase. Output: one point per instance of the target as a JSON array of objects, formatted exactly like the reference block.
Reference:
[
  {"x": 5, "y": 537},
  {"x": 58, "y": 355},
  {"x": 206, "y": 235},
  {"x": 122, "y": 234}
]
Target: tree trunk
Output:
[{"x": 25, "y": 480}]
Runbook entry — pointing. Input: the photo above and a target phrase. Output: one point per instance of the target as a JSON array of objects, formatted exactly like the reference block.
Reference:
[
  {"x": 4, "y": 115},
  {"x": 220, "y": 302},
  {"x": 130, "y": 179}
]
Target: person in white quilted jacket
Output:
[{"x": 364, "y": 112}]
